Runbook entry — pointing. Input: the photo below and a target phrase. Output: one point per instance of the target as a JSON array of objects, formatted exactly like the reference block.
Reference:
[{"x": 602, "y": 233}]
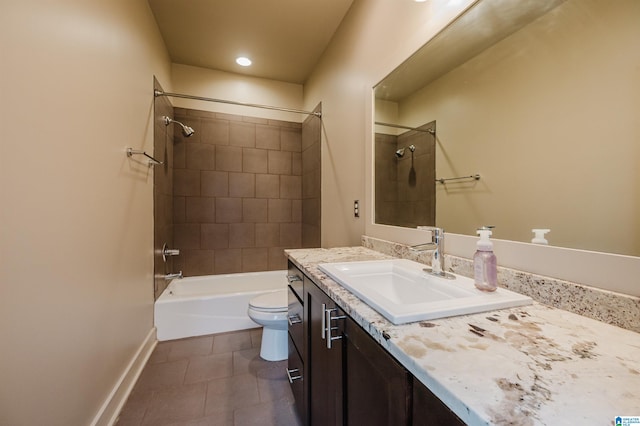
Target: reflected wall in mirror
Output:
[
  {"x": 542, "y": 103},
  {"x": 405, "y": 172}
]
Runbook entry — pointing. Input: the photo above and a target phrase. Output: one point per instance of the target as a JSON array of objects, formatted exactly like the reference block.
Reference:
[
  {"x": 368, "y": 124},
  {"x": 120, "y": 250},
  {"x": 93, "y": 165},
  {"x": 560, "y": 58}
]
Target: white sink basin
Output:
[{"x": 402, "y": 292}]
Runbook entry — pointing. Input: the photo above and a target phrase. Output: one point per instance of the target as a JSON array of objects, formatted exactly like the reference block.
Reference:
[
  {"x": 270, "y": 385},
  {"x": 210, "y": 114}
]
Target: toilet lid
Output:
[{"x": 269, "y": 302}]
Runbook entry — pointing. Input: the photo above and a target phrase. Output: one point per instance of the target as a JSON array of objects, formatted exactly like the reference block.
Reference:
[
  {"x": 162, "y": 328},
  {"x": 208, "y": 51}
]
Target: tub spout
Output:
[{"x": 170, "y": 277}]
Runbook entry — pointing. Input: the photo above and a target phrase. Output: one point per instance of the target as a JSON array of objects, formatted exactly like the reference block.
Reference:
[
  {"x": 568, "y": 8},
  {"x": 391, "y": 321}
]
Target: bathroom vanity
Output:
[
  {"x": 340, "y": 375},
  {"x": 529, "y": 365}
]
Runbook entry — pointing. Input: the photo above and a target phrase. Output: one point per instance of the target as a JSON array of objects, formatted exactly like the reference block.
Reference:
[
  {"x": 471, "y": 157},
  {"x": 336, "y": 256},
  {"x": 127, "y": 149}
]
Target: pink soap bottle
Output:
[{"x": 485, "y": 268}]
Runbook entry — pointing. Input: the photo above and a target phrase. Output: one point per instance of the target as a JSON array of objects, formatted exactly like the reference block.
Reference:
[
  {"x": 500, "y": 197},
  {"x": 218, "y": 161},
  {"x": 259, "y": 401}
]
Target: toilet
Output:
[{"x": 270, "y": 311}]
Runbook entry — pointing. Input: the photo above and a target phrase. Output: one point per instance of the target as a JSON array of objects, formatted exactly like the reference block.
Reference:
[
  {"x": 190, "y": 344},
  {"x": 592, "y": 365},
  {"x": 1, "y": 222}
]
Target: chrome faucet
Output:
[
  {"x": 437, "y": 245},
  {"x": 177, "y": 275}
]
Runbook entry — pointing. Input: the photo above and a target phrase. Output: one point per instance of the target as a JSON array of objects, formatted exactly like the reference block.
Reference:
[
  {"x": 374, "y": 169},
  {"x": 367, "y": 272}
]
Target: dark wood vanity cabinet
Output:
[
  {"x": 297, "y": 336},
  {"x": 429, "y": 410},
  {"x": 346, "y": 377},
  {"x": 324, "y": 357},
  {"x": 295, "y": 373},
  {"x": 377, "y": 389}
]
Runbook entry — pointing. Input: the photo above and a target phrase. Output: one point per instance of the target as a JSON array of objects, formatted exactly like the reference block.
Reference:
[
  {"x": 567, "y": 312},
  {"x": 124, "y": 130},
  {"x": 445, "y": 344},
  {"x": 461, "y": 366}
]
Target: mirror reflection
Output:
[
  {"x": 404, "y": 173},
  {"x": 540, "y": 100}
]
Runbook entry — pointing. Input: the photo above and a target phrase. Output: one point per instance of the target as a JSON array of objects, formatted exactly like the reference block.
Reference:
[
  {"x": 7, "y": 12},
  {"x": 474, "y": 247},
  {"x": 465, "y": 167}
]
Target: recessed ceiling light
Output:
[{"x": 245, "y": 62}]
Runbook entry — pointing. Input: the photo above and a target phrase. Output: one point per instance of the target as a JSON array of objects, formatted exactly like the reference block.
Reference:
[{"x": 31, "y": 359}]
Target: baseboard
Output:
[{"x": 108, "y": 413}]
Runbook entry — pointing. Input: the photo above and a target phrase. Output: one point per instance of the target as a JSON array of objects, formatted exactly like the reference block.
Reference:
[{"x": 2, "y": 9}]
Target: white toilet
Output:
[{"x": 270, "y": 311}]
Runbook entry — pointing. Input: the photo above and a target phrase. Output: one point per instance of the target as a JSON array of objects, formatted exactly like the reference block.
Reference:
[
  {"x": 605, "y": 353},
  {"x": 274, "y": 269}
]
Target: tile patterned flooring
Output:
[{"x": 216, "y": 380}]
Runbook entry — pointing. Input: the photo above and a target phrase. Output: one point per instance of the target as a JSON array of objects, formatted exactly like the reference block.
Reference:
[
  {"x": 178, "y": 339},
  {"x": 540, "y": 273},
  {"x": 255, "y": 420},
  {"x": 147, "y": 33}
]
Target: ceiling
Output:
[{"x": 283, "y": 38}]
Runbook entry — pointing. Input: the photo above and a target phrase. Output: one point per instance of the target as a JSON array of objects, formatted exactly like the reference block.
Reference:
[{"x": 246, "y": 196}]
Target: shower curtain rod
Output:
[
  {"x": 399, "y": 126},
  {"x": 157, "y": 93}
]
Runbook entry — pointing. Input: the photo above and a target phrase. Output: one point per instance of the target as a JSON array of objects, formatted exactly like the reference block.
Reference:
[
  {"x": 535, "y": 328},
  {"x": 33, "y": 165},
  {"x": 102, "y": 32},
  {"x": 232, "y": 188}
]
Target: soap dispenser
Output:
[
  {"x": 538, "y": 236},
  {"x": 485, "y": 270}
]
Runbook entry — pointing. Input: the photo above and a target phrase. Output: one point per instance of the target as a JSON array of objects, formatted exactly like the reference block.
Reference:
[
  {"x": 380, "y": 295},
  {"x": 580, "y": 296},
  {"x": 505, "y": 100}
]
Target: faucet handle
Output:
[
  {"x": 430, "y": 228},
  {"x": 166, "y": 252},
  {"x": 436, "y": 233},
  {"x": 170, "y": 252}
]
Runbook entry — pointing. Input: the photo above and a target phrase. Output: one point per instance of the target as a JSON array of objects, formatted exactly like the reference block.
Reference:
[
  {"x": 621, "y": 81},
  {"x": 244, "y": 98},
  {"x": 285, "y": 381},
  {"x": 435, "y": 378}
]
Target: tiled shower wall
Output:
[
  {"x": 386, "y": 176},
  {"x": 237, "y": 193},
  {"x": 311, "y": 139},
  {"x": 162, "y": 191},
  {"x": 405, "y": 187}
]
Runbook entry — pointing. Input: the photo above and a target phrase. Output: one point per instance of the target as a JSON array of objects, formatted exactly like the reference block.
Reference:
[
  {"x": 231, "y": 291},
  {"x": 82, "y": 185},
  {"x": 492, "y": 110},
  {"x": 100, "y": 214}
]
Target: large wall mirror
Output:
[{"x": 537, "y": 104}]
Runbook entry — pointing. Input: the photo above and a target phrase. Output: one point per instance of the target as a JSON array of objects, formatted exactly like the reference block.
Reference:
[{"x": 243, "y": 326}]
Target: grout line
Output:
[
  {"x": 233, "y": 363},
  {"x": 153, "y": 393}
]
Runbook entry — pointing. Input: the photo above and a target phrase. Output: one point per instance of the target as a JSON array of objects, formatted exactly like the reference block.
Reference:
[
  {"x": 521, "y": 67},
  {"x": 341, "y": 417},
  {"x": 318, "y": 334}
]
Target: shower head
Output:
[
  {"x": 400, "y": 152},
  {"x": 186, "y": 130}
]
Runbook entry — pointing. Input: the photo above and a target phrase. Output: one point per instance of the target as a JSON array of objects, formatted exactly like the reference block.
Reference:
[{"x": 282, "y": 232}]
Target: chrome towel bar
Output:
[
  {"x": 152, "y": 161},
  {"x": 443, "y": 180}
]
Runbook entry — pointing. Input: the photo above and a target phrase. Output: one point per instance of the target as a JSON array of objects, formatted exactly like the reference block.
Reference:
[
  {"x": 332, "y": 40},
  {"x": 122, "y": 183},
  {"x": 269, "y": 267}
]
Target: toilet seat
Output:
[{"x": 276, "y": 301}]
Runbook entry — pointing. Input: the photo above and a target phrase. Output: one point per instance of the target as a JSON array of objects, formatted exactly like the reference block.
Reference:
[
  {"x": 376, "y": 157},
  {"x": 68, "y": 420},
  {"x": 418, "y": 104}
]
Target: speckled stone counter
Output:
[
  {"x": 618, "y": 309},
  {"x": 534, "y": 365}
]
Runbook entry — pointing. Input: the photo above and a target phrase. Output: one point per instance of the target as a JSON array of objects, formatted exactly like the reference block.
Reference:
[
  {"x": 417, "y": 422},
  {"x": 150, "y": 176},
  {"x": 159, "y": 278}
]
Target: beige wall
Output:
[
  {"x": 237, "y": 88},
  {"x": 76, "y": 213}
]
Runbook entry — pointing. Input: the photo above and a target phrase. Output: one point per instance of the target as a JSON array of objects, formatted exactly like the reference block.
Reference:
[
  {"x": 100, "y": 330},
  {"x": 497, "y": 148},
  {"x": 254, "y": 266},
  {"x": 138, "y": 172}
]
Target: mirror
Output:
[
  {"x": 540, "y": 101},
  {"x": 404, "y": 170}
]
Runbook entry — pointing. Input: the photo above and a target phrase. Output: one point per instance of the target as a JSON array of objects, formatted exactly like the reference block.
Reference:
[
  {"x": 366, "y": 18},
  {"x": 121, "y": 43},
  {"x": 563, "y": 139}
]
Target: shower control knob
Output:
[{"x": 166, "y": 252}]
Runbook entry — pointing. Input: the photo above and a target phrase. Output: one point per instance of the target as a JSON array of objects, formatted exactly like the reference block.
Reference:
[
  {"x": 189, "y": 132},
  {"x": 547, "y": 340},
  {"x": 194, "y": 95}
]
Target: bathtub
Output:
[{"x": 196, "y": 306}]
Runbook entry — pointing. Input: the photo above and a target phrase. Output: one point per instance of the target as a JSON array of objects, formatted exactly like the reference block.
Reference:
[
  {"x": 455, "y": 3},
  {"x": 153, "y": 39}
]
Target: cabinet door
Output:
[
  {"x": 324, "y": 365},
  {"x": 297, "y": 344},
  {"x": 377, "y": 387},
  {"x": 295, "y": 373},
  {"x": 296, "y": 280},
  {"x": 295, "y": 314},
  {"x": 428, "y": 410}
]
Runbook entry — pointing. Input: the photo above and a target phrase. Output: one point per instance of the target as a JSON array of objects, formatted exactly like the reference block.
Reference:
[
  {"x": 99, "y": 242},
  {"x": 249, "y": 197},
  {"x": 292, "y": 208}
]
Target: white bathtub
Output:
[{"x": 195, "y": 306}]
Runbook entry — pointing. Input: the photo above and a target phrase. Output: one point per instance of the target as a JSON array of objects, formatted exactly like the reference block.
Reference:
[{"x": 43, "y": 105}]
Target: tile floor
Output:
[{"x": 212, "y": 380}]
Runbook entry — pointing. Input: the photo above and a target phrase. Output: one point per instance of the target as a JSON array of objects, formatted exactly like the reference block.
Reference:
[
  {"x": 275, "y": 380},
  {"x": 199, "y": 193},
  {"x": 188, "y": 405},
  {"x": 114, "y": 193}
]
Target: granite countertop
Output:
[{"x": 532, "y": 365}]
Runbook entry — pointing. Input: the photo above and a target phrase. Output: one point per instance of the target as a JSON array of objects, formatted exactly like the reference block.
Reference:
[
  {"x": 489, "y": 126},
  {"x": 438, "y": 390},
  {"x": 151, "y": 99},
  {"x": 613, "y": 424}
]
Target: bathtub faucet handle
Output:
[{"x": 166, "y": 252}]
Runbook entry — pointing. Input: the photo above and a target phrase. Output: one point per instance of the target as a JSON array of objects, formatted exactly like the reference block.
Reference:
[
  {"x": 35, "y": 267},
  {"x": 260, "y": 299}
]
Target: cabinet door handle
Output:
[
  {"x": 324, "y": 321},
  {"x": 293, "y": 371},
  {"x": 294, "y": 319},
  {"x": 293, "y": 278},
  {"x": 329, "y": 328}
]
